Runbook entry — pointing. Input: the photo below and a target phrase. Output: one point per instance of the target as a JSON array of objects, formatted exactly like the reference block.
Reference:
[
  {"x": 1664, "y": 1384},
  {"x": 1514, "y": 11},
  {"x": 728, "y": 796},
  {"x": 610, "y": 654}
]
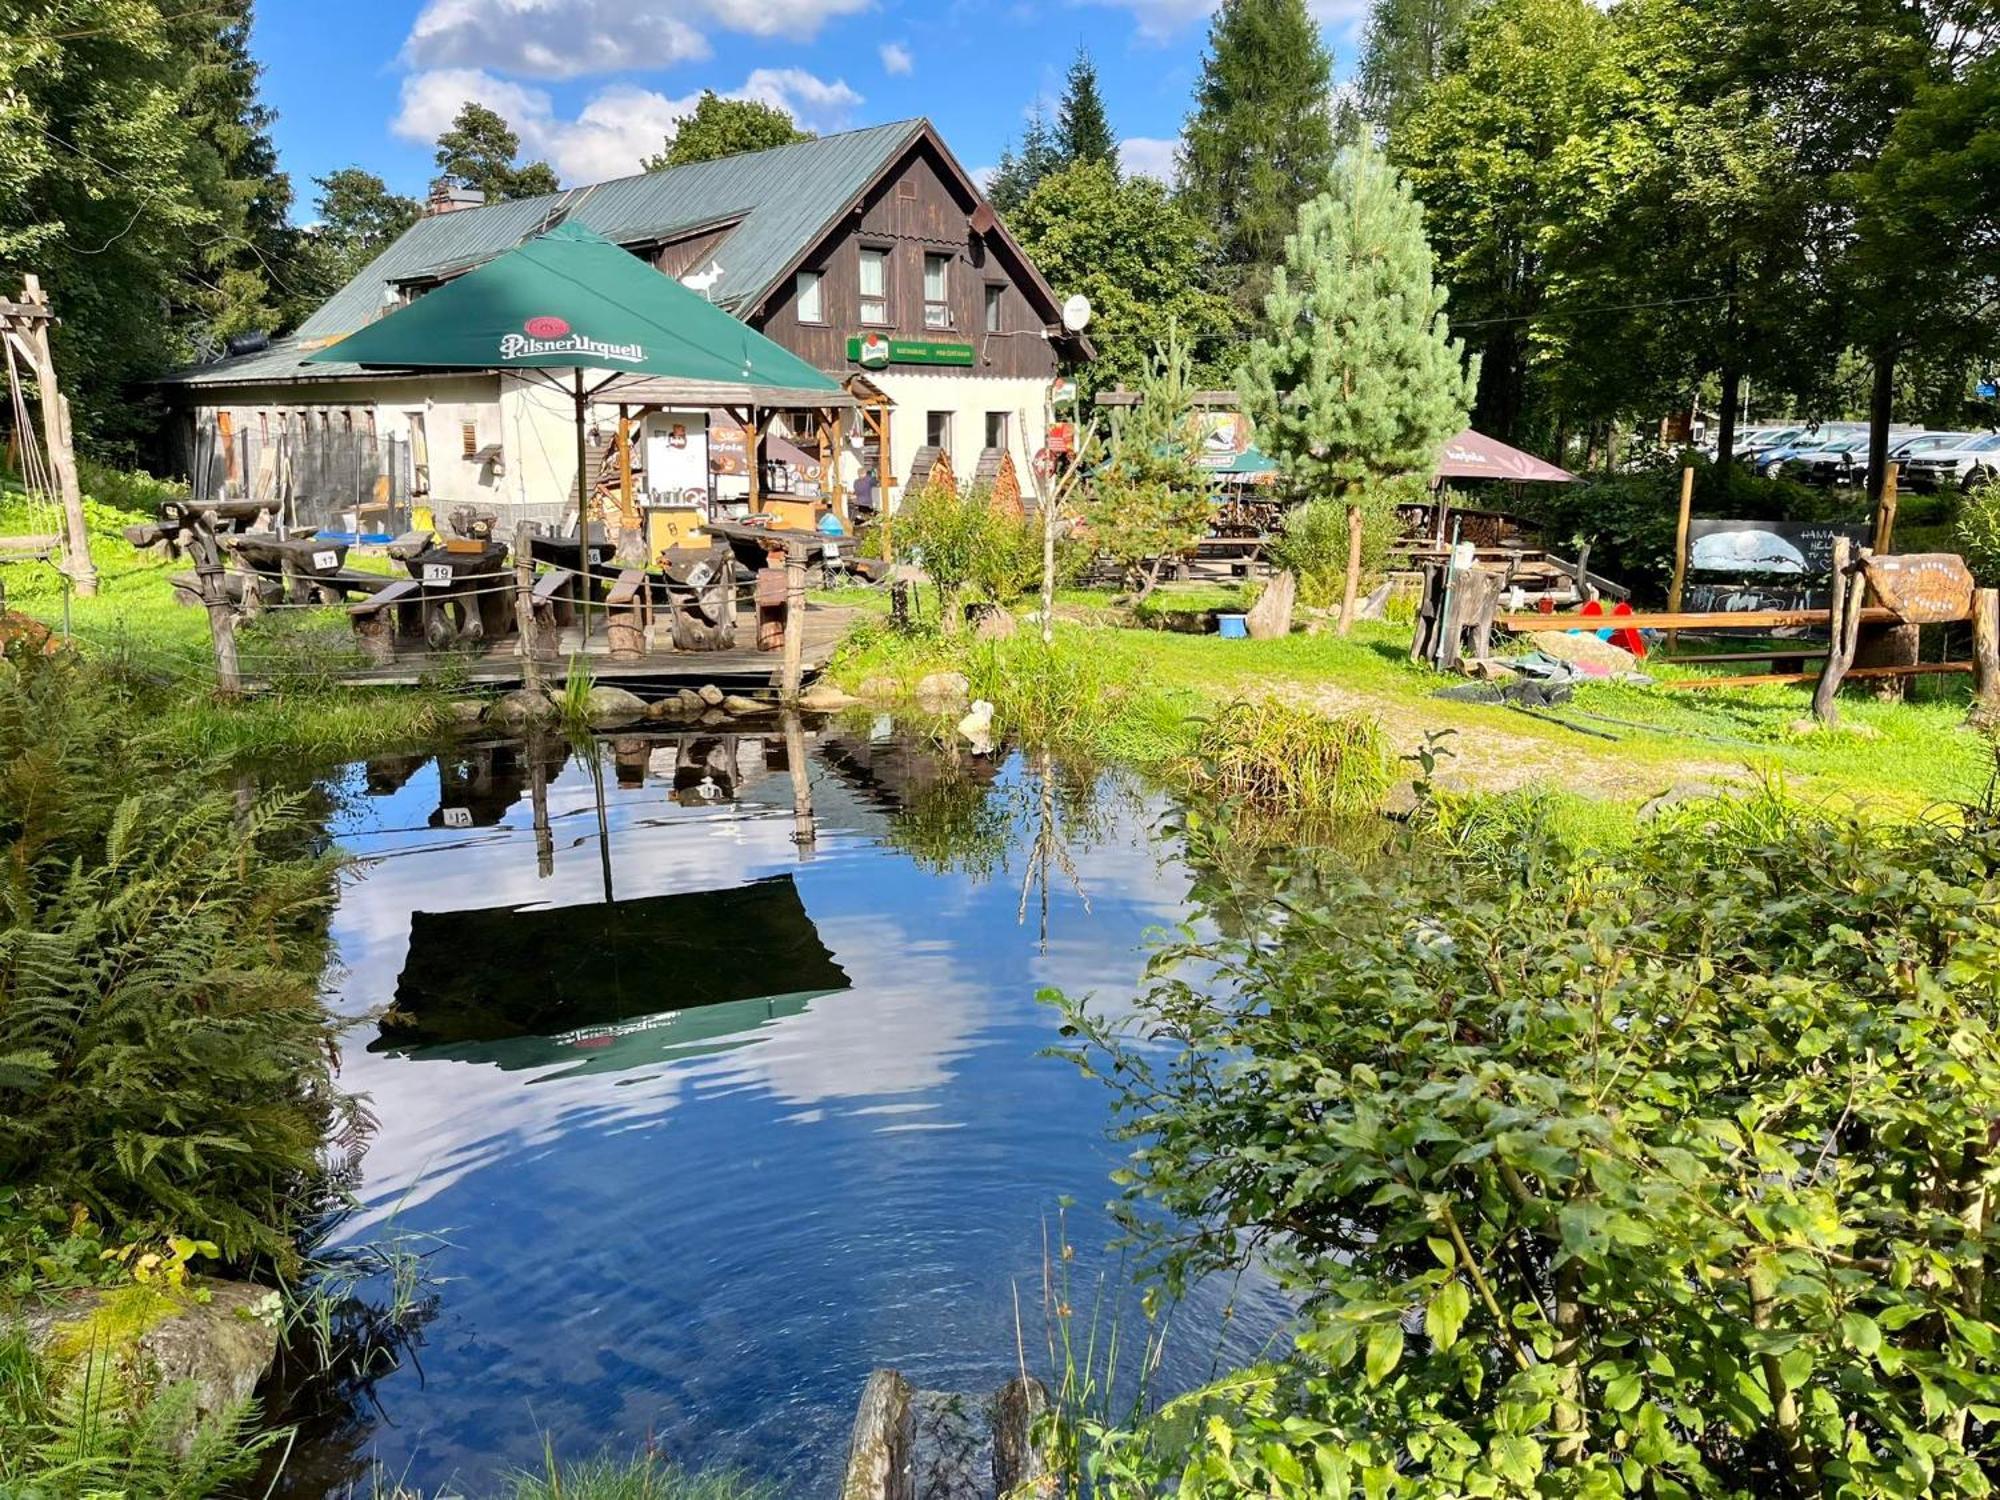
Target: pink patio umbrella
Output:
[{"x": 1474, "y": 455}]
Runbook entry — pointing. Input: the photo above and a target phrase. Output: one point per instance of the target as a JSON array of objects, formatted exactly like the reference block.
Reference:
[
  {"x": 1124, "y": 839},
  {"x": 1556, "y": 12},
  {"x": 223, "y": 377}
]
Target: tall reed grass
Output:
[{"x": 1279, "y": 757}]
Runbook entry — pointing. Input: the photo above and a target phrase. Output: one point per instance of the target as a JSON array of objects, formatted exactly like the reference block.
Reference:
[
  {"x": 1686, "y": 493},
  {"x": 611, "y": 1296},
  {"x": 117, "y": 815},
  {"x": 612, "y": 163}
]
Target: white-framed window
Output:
[
  {"x": 996, "y": 429},
  {"x": 996, "y": 304},
  {"x": 937, "y": 291},
  {"x": 874, "y": 286},
  {"x": 937, "y": 430},
  {"x": 811, "y": 307}
]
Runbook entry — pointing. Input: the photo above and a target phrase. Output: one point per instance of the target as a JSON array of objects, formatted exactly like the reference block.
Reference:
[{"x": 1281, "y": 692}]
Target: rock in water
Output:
[
  {"x": 881, "y": 689},
  {"x": 977, "y": 727},
  {"x": 825, "y": 698},
  {"x": 613, "y": 705},
  {"x": 464, "y": 712},
  {"x": 1270, "y": 617},
  {"x": 942, "y": 692},
  {"x": 741, "y": 706},
  {"x": 710, "y": 694},
  {"x": 521, "y": 707}
]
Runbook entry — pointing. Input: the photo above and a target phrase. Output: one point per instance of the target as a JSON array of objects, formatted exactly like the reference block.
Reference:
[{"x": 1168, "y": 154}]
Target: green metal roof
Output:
[{"x": 788, "y": 198}]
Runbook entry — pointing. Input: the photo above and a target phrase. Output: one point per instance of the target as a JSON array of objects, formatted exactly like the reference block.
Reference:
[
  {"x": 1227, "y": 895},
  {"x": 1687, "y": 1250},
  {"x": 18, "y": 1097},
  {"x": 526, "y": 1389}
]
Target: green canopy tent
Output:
[{"x": 572, "y": 300}]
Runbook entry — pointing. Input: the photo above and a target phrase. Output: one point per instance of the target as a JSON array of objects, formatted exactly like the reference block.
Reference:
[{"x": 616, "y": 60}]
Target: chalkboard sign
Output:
[{"x": 1798, "y": 549}]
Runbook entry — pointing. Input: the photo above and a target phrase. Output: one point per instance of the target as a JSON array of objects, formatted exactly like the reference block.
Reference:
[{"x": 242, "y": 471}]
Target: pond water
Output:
[{"x": 711, "y": 1120}]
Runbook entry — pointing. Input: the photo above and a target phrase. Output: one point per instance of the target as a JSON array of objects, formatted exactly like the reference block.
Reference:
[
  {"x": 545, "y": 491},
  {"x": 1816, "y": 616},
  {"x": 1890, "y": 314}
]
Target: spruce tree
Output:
[
  {"x": 1019, "y": 173},
  {"x": 1083, "y": 130},
  {"x": 1260, "y": 140},
  {"x": 1357, "y": 379},
  {"x": 1403, "y": 53}
]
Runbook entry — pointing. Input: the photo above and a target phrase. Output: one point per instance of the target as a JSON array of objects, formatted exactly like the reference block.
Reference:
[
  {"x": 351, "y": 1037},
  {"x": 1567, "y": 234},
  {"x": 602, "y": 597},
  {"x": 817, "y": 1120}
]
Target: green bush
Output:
[
  {"x": 1976, "y": 533},
  {"x": 967, "y": 546},
  {"x": 1665, "y": 1171},
  {"x": 1312, "y": 539},
  {"x": 163, "y": 1050}
]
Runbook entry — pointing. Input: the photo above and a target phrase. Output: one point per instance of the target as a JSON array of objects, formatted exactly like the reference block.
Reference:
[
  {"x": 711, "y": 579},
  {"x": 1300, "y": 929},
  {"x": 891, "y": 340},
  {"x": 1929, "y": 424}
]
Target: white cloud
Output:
[
  {"x": 617, "y": 128},
  {"x": 577, "y": 38},
  {"x": 550, "y": 38},
  {"x": 896, "y": 58},
  {"x": 807, "y": 98},
  {"x": 1148, "y": 156}
]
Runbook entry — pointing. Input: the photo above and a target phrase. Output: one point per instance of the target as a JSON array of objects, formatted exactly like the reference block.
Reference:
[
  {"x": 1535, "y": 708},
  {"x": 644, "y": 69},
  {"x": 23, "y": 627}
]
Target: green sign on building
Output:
[{"x": 874, "y": 352}]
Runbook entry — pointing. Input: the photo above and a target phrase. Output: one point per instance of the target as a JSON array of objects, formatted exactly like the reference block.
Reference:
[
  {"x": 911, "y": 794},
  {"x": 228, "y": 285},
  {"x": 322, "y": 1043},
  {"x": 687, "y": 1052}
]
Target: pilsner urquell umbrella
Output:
[{"x": 572, "y": 300}]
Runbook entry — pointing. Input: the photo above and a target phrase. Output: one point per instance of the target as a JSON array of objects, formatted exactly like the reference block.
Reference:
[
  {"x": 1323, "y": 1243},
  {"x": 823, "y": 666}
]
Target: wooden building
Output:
[{"x": 871, "y": 253}]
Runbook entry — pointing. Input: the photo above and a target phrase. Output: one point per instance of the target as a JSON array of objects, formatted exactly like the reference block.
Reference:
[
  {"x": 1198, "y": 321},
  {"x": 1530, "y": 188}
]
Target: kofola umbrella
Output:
[{"x": 571, "y": 300}]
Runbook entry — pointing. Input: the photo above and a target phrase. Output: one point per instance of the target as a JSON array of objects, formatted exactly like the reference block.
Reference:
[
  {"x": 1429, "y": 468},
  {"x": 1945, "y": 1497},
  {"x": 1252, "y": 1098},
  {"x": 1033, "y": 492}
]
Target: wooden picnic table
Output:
[
  {"x": 462, "y": 591},
  {"x": 303, "y": 567}
]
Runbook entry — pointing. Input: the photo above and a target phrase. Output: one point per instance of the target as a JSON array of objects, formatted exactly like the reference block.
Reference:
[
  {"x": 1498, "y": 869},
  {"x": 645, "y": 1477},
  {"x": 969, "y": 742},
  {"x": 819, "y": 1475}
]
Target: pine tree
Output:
[
  {"x": 479, "y": 151},
  {"x": 1260, "y": 140},
  {"x": 1019, "y": 174},
  {"x": 1083, "y": 130},
  {"x": 1358, "y": 379}
]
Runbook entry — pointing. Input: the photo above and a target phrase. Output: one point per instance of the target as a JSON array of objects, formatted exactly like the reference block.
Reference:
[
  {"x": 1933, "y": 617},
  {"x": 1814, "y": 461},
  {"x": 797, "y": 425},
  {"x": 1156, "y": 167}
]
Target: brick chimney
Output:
[{"x": 446, "y": 197}]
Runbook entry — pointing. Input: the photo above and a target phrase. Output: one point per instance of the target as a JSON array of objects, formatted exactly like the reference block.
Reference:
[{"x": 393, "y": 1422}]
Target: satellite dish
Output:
[{"x": 1076, "y": 313}]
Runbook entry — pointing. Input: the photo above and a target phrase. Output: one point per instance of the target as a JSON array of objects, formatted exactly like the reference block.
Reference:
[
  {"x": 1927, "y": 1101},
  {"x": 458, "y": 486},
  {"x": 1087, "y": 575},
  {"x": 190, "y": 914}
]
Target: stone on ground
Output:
[
  {"x": 741, "y": 706},
  {"x": 825, "y": 698},
  {"x": 879, "y": 689},
  {"x": 710, "y": 694},
  {"x": 1584, "y": 648},
  {"x": 996, "y": 625},
  {"x": 464, "y": 712}
]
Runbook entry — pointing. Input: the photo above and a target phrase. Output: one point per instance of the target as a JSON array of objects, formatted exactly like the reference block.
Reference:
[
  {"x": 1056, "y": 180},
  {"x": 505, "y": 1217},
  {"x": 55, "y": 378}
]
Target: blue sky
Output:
[{"x": 593, "y": 84}]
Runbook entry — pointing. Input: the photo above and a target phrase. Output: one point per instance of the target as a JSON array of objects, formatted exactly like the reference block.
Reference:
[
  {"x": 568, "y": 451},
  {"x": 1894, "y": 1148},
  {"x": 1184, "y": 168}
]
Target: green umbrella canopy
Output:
[{"x": 572, "y": 299}]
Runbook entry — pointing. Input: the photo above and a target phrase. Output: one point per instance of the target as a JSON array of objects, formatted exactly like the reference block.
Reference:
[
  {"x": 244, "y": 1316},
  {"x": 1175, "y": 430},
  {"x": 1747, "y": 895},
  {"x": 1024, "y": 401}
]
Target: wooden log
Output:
[
  {"x": 878, "y": 1454},
  {"x": 1885, "y": 511},
  {"x": 1423, "y": 642},
  {"x": 1353, "y": 584},
  {"x": 1853, "y": 674},
  {"x": 1741, "y": 619},
  {"x": 625, "y": 617},
  {"x": 1985, "y": 712},
  {"x": 1888, "y": 646}
]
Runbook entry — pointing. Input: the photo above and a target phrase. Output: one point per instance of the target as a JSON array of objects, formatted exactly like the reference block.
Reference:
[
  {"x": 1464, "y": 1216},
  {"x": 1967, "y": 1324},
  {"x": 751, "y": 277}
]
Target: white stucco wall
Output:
[{"x": 968, "y": 398}]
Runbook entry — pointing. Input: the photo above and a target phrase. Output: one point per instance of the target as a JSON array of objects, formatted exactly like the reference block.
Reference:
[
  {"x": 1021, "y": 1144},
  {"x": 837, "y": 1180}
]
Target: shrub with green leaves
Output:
[
  {"x": 164, "y": 1056},
  {"x": 1665, "y": 1172},
  {"x": 967, "y": 546},
  {"x": 1312, "y": 538},
  {"x": 1976, "y": 533}
]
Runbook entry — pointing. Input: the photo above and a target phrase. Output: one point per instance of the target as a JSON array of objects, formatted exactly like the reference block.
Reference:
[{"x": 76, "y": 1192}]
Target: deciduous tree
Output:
[
  {"x": 1136, "y": 253},
  {"x": 359, "y": 218},
  {"x": 721, "y": 127}
]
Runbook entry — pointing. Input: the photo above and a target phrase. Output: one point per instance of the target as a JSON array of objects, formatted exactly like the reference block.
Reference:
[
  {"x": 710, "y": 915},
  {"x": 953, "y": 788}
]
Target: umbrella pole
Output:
[{"x": 584, "y": 490}]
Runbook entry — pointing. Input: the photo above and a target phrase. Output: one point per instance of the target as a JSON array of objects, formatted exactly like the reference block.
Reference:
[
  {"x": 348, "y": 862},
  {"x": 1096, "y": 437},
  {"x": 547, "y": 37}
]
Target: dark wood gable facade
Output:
[{"x": 920, "y": 258}]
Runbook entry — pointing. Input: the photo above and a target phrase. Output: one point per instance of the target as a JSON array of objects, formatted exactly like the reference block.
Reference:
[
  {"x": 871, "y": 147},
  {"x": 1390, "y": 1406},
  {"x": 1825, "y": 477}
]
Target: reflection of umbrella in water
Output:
[
  {"x": 607, "y": 978},
  {"x": 1745, "y": 552}
]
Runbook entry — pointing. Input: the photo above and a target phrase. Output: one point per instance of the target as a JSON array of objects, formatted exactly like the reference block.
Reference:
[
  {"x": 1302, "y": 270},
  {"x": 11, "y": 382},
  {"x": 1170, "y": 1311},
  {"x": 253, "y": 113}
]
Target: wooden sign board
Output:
[
  {"x": 1923, "y": 588},
  {"x": 1800, "y": 549}
]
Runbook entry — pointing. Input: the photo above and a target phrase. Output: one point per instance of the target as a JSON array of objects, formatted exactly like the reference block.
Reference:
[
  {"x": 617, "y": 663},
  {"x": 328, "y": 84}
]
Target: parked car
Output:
[
  {"x": 1967, "y": 464},
  {"x": 1843, "y": 461},
  {"x": 1768, "y": 439},
  {"x": 1770, "y": 461}
]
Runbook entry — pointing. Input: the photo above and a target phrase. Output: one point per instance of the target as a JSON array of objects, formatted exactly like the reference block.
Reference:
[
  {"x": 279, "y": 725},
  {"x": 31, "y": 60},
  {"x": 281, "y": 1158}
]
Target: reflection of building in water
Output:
[
  {"x": 608, "y": 986},
  {"x": 386, "y": 775}
]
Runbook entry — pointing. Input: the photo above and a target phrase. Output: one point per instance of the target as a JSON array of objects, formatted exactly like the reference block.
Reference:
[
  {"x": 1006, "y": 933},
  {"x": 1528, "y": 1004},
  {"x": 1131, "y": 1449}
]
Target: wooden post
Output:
[
  {"x": 1824, "y": 707},
  {"x": 1353, "y": 569},
  {"x": 885, "y": 479},
  {"x": 1885, "y": 512},
  {"x": 1674, "y": 589},
  {"x": 754, "y": 461},
  {"x": 795, "y": 619},
  {"x": 524, "y": 608},
  {"x": 631, "y": 534},
  {"x": 221, "y": 621},
  {"x": 33, "y": 330},
  {"x": 832, "y": 472},
  {"x": 1985, "y": 713}
]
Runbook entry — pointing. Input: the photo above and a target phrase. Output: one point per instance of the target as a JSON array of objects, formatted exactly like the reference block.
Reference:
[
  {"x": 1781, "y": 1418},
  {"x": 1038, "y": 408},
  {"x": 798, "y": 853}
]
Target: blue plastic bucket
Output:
[{"x": 1233, "y": 627}]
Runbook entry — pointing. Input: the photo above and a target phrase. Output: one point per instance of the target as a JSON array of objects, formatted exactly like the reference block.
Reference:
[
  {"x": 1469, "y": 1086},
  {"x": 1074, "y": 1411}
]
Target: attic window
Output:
[
  {"x": 907, "y": 188},
  {"x": 468, "y": 439}
]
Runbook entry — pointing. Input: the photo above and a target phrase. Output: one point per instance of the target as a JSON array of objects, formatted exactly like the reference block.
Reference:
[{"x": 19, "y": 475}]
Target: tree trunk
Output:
[
  {"x": 1731, "y": 413},
  {"x": 1881, "y": 408}
]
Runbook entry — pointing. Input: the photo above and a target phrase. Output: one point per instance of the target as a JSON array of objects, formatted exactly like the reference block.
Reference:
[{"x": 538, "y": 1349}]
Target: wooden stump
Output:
[
  {"x": 1985, "y": 713},
  {"x": 1888, "y": 646},
  {"x": 703, "y": 605},
  {"x": 1270, "y": 617}
]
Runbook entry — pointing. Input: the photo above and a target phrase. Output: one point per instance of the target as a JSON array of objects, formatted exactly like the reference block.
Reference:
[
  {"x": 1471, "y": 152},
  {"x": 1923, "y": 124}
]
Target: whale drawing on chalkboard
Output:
[{"x": 1745, "y": 552}]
